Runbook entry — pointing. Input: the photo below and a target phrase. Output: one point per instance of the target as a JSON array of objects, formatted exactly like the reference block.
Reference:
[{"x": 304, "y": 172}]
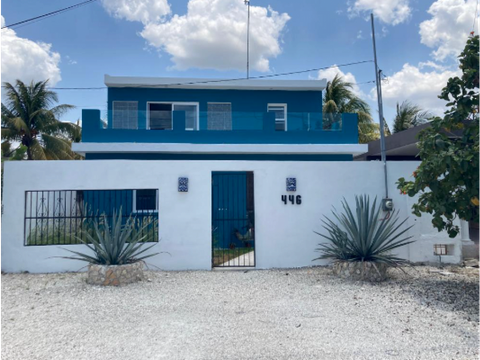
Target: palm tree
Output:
[
  {"x": 29, "y": 118},
  {"x": 409, "y": 115},
  {"x": 339, "y": 98}
]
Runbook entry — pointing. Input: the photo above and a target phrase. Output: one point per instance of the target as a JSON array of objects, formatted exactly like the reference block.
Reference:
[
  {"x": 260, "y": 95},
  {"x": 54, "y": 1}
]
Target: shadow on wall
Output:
[{"x": 473, "y": 230}]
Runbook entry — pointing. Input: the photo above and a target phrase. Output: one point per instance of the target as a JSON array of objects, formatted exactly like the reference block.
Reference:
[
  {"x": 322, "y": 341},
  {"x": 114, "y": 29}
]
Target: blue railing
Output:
[{"x": 221, "y": 127}]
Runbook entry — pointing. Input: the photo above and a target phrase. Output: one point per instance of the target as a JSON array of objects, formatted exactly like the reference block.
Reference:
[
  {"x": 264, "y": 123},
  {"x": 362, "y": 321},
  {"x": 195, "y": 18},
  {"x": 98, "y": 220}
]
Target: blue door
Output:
[{"x": 233, "y": 230}]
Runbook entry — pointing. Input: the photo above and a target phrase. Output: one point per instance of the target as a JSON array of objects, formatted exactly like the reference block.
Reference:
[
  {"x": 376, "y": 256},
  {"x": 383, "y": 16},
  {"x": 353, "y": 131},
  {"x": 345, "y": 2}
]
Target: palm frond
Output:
[
  {"x": 28, "y": 117},
  {"x": 409, "y": 115}
]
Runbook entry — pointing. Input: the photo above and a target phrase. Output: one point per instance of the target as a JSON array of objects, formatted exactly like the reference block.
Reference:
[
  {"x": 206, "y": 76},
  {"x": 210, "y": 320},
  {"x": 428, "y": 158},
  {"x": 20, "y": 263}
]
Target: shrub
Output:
[
  {"x": 363, "y": 236},
  {"x": 115, "y": 244},
  {"x": 64, "y": 231}
]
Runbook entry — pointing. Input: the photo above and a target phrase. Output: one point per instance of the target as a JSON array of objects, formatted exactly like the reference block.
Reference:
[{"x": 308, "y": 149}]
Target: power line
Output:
[
  {"x": 271, "y": 75},
  {"x": 36, "y": 18},
  {"x": 233, "y": 79}
]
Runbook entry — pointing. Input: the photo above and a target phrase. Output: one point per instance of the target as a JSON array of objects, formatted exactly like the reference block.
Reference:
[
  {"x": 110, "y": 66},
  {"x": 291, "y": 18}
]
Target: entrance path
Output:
[{"x": 247, "y": 259}]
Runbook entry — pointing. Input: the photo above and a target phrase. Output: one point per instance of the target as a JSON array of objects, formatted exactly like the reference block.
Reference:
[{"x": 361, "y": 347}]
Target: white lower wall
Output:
[{"x": 284, "y": 233}]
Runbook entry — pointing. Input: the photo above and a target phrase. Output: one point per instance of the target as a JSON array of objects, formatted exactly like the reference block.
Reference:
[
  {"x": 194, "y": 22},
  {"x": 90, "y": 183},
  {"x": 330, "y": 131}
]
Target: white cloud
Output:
[
  {"x": 448, "y": 29},
  {"x": 70, "y": 60},
  {"x": 212, "y": 35},
  {"x": 391, "y": 12},
  {"x": 27, "y": 60},
  {"x": 421, "y": 88},
  {"x": 145, "y": 11},
  {"x": 330, "y": 73}
]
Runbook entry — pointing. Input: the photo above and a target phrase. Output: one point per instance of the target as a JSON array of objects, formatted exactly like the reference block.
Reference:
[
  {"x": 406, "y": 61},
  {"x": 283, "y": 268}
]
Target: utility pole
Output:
[
  {"x": 247, "y": 2},
  {"x": 378, "y": 81}
]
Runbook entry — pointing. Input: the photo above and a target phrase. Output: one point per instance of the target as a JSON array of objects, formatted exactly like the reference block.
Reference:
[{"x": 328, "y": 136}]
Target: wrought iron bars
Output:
[{"x": 61, "y": 217}]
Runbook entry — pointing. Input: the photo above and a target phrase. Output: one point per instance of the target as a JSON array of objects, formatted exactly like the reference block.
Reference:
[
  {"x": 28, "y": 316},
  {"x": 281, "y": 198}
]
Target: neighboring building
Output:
[
  {"x": 402, "y": 146},
  {"x": 399, "y": 146},
  {"x": 212, "y": 119}
]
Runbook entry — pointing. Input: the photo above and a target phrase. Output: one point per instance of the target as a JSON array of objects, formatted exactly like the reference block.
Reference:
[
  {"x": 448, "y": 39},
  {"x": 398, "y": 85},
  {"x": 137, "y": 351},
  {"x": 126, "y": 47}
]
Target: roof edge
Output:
[{"x": 206, "y": 83}]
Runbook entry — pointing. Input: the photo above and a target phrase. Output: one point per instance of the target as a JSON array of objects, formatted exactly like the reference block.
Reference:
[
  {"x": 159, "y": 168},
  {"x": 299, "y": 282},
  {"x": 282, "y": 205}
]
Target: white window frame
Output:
[
  {"x": 134, "y": 202},
  {"x": 285, "y": 111},
  {"x": 113, "y": 111},
  {"x": 173, "y": 103}
]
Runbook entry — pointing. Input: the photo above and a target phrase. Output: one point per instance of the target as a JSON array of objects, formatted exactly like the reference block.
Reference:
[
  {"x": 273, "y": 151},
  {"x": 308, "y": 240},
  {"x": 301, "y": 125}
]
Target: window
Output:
[
  {"x": 219, "y": 116},
  {"x": 160, "y": 115},
  {"x": 145, "y": 200},
  {"x": 125, "y": 115},
  {"x": 280, "y": 111}
]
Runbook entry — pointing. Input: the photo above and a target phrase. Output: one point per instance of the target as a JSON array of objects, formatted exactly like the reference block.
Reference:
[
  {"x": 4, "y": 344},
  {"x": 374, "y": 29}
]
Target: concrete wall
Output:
[{"x": 284, "y": 233}]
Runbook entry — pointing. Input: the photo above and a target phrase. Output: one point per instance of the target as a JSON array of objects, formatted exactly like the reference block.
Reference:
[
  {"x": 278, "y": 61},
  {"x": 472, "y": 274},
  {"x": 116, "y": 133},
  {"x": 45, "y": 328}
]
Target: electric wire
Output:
[
  {"x": 52, "y": 13},
  {"x": 232, "y": 79}
]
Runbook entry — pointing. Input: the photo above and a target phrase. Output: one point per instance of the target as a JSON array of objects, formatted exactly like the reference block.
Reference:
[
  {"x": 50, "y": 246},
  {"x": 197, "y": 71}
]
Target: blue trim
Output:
[{"x": 250, "y": 157}]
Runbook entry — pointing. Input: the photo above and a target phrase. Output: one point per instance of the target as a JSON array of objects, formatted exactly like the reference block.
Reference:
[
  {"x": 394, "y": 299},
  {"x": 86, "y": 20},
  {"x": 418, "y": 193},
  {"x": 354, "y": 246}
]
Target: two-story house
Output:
[
  {"x": 212, "y": 119},
  {"x": 170, "y": 119}
]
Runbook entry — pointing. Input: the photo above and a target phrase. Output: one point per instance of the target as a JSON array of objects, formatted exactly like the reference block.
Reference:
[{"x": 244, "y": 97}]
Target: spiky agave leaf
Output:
[
  {"x": 113, "y": 244},
  {"x": 361, "y": 235}
]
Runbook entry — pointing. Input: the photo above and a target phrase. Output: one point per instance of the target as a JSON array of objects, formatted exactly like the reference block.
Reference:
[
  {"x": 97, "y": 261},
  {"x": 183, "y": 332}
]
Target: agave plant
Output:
[
  {"x": 363, "y": 236},
  {"x": 117, "y": 244}
]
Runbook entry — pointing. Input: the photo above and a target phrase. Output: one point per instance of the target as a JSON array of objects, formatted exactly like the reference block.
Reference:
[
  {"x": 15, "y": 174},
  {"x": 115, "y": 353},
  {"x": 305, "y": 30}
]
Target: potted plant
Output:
[
  {"x": 360, "y": 243},
  {"x": 116, "y": 250}
]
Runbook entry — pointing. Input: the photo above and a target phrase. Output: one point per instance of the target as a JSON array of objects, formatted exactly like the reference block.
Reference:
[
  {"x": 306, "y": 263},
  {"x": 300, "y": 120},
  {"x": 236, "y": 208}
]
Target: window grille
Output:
[
  {"x": 125, "y": 115},
  {"x": 62, "y": 217},
  {"x": 219, "y": 116}
]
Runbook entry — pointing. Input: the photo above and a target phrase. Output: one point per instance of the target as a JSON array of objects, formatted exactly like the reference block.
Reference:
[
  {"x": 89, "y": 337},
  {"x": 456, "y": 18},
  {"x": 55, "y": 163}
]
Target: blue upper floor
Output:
[{"x": 200, "y": 111}]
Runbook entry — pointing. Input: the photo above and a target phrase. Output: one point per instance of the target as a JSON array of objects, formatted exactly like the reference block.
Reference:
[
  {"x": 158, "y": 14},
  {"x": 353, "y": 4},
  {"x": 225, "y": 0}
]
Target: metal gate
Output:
[{"x": 233, "y": 219}]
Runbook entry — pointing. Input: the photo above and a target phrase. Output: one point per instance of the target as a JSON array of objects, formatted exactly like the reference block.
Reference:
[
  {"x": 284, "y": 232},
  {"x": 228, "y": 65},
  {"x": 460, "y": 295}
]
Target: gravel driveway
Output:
[{"x": 287, "y": 314}]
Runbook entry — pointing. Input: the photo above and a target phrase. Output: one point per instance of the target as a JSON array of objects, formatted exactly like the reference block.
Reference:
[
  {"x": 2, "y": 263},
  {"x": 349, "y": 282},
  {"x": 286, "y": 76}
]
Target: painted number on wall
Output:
[{"x": 292, "y": 199}]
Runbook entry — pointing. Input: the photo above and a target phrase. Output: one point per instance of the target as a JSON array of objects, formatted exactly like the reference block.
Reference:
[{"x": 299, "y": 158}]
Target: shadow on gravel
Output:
[{"x": 445, "y": 293}]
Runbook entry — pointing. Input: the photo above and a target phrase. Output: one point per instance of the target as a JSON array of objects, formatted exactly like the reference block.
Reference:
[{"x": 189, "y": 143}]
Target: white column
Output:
[{"x": 465, "y": 233}]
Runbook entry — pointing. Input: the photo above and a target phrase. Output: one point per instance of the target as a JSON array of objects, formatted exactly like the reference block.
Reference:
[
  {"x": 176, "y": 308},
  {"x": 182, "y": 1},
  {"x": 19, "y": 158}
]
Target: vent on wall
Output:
[
  {"x": 443, "y": 249},
  {"x": 125, "y": 115}
]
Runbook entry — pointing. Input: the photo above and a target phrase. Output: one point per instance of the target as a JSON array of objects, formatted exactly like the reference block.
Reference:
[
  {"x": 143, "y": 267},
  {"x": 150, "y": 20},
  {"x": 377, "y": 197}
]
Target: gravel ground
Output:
[{"x": 274, "y": 314}]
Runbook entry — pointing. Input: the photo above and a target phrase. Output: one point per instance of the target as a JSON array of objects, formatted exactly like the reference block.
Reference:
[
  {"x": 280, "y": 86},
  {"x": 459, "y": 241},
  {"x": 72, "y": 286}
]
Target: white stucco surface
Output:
[
  {"x": 186, "y": 148},
  {"x": 284, "y": 233}
]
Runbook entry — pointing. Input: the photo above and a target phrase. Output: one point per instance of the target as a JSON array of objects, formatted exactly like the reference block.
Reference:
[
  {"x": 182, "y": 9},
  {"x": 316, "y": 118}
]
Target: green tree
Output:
[
  {"x": 339, "y": 98},
  {"x": 449, "y": 167},
  {"x": 409, "y": 115},
  {"x": 29, "y": 119}
]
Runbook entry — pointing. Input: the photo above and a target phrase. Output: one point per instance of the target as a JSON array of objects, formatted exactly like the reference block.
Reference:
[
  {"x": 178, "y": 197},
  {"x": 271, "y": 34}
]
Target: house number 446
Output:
[{"x": 293, "y": 199}]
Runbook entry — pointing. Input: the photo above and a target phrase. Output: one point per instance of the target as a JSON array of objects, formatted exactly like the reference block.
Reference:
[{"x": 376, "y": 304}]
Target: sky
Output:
[{"x": 418, "y": 42}]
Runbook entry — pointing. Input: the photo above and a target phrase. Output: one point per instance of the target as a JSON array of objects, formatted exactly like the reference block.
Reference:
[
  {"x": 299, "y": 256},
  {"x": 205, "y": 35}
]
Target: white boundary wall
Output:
[{"x": 284, "y": 233}]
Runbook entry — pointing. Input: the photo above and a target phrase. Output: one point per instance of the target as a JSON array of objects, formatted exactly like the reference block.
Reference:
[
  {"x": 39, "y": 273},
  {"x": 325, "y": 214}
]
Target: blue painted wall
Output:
[
  {"x": 252, "y": 157},
  {"x": 92, "y": 131},
  {"x": 247, "y": 105}
]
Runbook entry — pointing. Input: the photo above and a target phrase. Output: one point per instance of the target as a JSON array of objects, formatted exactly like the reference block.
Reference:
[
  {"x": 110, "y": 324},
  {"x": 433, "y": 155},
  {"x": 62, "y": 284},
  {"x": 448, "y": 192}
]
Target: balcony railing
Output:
[{"x": 220, "y": 127}]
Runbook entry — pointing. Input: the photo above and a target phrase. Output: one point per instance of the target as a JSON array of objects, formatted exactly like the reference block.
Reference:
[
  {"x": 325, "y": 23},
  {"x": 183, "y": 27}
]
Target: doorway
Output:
[{"x": 233, "y": 219}]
